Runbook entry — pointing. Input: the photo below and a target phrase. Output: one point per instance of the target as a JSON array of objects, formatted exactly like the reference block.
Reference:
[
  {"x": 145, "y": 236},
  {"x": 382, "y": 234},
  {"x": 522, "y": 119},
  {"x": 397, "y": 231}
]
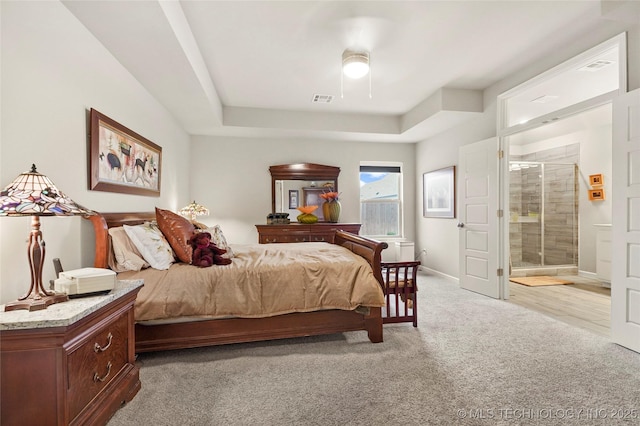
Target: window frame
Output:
[{"x": 389, "y": 167}]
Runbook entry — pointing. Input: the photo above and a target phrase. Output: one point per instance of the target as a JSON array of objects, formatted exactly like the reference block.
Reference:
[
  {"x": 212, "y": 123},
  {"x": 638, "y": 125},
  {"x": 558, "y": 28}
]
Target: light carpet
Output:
[
  {"x": 472, "y": 361},
  {"x": 539, "y": 281}
]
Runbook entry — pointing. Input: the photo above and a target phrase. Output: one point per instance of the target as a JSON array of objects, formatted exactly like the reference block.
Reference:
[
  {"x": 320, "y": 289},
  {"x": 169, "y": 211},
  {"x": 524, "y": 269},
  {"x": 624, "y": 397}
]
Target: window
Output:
[{"x": 380, "y": 201}]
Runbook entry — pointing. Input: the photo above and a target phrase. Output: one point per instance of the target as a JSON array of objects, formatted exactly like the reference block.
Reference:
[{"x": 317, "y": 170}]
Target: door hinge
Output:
[
  {"x": 500, "y": 212},
  {"x": 500, "y": 154},
  {"x": 500, "y": 272}
]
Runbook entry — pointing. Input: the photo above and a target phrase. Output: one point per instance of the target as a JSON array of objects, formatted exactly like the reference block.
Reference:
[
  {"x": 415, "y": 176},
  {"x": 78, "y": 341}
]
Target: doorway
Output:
[
  {"x": 560, "y": 120},
  {"x": 553, "y": 226}
]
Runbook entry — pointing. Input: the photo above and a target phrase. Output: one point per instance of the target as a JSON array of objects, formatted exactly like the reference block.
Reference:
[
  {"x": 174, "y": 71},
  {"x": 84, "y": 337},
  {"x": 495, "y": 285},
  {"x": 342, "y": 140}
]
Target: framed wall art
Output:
[
  {"x": 439, "y": 193},
  {"x": 596, "y": 181},
  {"x": 121, "y": 160},
  {"x": 596, "y": 194},
  {"x": 293, "y": 198}
]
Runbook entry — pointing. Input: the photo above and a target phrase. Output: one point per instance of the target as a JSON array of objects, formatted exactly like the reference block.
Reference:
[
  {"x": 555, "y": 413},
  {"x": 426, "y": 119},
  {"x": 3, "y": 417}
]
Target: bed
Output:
[{"x": 184, "y": 329}]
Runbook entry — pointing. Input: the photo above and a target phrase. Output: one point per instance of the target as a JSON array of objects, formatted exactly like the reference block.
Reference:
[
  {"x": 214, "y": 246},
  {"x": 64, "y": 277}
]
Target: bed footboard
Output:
[{"x": 370, "y": 250}]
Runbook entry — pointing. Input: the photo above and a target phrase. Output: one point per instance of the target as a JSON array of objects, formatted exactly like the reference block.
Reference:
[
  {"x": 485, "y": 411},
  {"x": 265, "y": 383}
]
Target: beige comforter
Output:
[{"x": 263, "y": 280}]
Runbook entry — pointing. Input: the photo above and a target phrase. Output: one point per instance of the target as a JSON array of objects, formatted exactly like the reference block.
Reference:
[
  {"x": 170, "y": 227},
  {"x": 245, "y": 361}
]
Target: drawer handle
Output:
[
  {"x": 269, "y": 240},
  {"x": 97, "y": 378},
  {"x": 97, "y": 348}
]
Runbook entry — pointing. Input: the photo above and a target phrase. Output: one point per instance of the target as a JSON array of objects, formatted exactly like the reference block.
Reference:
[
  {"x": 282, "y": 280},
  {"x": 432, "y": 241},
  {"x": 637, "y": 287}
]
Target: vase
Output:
[{"x": 331, "y": 211}]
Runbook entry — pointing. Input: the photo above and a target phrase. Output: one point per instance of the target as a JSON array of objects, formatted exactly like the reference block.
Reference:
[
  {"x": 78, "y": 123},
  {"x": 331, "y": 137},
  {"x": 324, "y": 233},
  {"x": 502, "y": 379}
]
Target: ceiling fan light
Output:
[{"x": 355, "y": 64}]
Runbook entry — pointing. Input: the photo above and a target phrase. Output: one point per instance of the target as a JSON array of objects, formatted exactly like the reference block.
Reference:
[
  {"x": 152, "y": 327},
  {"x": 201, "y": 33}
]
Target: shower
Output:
[{"x": 543, "y": 214}]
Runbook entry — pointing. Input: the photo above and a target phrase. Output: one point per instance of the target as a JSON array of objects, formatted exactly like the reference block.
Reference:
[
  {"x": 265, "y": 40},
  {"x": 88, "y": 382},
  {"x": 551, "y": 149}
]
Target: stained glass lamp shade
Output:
[
  {"x": 33, "y": 194},
  {"x": 193, "y": 210}
]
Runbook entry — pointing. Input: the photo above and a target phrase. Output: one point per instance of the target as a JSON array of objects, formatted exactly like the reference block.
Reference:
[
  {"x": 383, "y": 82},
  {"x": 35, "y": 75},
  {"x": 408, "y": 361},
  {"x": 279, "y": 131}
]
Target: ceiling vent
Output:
[
  {"x": 595, "y": 65},
  {"x": 322, "y": 99}
]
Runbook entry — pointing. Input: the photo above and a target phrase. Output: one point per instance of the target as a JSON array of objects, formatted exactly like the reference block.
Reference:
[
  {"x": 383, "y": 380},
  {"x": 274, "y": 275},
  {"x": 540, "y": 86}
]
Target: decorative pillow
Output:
[
  {"x": 149, "y": 240},
  {"x": 125, "y": 255},
  {"x": 217, "y": 238},
  {"x": 177, "y": 230}
]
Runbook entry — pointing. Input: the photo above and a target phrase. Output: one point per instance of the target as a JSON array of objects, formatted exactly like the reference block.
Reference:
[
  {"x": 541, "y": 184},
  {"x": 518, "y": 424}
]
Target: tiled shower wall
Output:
[{"x": 560, "y": 209}]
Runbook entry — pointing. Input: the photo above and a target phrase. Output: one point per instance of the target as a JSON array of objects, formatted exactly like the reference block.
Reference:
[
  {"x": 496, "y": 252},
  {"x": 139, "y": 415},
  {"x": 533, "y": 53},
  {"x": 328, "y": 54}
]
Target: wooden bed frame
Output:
[{"x": 235, "y": 330}]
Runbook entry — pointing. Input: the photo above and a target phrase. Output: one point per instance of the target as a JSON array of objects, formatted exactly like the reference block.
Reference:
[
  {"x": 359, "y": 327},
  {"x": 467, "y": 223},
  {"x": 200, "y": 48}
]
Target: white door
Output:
[
  {"x": 625, "y": 262},
  {"x": 477, "y": 217}
]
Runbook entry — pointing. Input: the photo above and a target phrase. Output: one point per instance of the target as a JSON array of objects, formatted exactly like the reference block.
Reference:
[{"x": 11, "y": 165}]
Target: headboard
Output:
[{"x": 101, "y": 224}]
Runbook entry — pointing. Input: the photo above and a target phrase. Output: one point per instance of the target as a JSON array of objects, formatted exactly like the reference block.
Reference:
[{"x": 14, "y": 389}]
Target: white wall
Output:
[
  {"x": 231, "y": 177},
  {"x": 440, "y": 236},
  {"x": 53, "y": 72}
]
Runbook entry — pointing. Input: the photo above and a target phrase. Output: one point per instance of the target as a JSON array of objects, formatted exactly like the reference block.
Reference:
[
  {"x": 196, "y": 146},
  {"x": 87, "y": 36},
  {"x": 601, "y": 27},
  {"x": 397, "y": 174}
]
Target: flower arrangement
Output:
[
  {"x": 307, "y": 209},
  {"x": 330, "y": 196}
]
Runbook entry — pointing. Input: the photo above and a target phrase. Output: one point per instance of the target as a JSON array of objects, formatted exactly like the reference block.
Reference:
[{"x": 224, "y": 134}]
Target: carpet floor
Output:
[{"x": 473, "y": 360}]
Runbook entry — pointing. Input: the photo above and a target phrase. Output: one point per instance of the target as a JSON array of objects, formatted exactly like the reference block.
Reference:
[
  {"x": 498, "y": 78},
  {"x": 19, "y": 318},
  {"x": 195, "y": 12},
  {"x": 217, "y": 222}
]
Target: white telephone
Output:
[{"x": 85, "y": 281}]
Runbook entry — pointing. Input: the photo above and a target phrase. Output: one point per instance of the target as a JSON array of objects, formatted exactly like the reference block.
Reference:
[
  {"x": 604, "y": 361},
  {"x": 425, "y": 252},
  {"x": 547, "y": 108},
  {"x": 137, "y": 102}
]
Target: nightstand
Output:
[{"x": 72, "y": 363}]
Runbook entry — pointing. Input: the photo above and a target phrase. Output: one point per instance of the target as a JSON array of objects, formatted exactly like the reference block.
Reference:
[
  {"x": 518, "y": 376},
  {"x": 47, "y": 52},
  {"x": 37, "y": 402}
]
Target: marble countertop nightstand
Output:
[{"x": 65, "y": 313}]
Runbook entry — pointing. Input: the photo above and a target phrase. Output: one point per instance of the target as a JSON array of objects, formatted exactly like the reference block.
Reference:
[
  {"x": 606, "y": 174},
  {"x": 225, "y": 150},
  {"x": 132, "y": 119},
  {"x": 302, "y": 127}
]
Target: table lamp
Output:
[
  {"x": 193, "y": 210},
  {"x": 33, "y": 194}
]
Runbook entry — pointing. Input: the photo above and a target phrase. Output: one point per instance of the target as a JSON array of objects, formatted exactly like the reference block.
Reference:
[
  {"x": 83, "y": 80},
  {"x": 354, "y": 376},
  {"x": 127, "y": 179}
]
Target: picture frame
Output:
[
  {"x": 439, "y": 193},
  {"x": 596, "y": 181},
  {"x": 121, "y": 160},
  {"x": 293, "y": 198},
  {"x": 597, "y": 194}
]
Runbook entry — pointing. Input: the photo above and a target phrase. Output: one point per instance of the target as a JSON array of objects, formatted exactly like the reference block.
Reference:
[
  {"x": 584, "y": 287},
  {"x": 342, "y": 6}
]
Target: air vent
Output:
[
  {"x": 596, "y": 65},
  {"x": 322, "y": 99}
]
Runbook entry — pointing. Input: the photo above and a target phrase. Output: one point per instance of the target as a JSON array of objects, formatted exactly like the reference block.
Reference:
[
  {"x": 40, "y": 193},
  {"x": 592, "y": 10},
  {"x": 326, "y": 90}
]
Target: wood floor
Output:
[{"x": 585, "y": 304}]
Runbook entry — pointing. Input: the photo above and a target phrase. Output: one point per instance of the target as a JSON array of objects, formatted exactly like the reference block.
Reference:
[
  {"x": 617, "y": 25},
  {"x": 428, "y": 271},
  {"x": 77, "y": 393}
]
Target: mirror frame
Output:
[{"x": 301, "y": 171}]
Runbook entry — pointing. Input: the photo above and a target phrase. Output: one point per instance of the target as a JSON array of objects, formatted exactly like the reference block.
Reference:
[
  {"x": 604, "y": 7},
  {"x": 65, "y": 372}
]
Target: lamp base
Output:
[{"x": 36, "y": 302}]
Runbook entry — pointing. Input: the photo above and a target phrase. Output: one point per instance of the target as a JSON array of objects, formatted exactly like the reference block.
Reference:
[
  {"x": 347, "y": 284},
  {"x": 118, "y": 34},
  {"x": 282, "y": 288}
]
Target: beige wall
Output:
[
  {"x": 231, "y": 177},
  {"x": 53, "y": 72}
]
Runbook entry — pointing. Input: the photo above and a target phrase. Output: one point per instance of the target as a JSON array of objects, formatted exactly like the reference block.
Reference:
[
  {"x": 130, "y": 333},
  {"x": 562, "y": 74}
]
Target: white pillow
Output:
[
  {"x": 127, "y": 256},
  {"x": 154, "y": 248}
]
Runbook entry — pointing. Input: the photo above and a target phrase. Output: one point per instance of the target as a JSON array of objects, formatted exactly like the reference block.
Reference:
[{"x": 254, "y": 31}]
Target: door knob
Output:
[{"x": 460, "y": 225}]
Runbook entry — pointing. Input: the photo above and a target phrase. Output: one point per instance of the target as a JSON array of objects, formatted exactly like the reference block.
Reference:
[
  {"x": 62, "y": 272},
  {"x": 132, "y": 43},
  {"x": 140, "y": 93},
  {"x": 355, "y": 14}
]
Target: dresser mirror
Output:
[{"x": 296, "y": 185}]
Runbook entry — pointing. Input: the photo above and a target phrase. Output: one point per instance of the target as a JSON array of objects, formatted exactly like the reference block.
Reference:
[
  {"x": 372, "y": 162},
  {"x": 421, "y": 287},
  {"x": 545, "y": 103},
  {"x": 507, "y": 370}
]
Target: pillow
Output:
[
  {"x": 124, "y": 255},
  {"x": 149, "y": 240},
  {"x": 217, "y": 238},
  {"x": 177, "y": 230}
]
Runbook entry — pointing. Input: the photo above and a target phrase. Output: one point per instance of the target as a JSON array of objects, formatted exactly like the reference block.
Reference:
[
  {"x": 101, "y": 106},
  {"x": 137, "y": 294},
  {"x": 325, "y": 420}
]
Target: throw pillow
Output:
[
  {"x": 150, "y": 241},
  {"x": 177, "y": 230},
  {"x": 218, "y": 238}
]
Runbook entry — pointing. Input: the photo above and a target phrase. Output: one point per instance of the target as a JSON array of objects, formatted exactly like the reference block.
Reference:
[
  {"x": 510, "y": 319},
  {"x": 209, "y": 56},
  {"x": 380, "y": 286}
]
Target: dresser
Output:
[
  {"x": 300, "y": 232},
  {"x": 70, "y": 364}
]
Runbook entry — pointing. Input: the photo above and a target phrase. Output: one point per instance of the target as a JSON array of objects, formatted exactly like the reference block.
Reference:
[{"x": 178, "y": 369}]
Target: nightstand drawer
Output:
[{"x": 96, "y": 362}]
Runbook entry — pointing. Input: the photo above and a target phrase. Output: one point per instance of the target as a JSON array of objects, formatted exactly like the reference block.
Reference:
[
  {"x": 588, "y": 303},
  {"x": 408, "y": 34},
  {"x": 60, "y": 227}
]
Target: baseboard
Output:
[
  {"x": 594, "y": 276},
  {"x": 585, "y": 274},
  {"x": 440, "y": 274}
]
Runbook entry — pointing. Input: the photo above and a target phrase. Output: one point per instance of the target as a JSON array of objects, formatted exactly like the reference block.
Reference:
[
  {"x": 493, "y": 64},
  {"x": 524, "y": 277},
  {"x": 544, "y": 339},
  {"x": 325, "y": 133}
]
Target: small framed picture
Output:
[
  {"x": 293, "y": 198},
  {"x": 596, "y": 181},
  {"x": 596, "y": 194}
]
